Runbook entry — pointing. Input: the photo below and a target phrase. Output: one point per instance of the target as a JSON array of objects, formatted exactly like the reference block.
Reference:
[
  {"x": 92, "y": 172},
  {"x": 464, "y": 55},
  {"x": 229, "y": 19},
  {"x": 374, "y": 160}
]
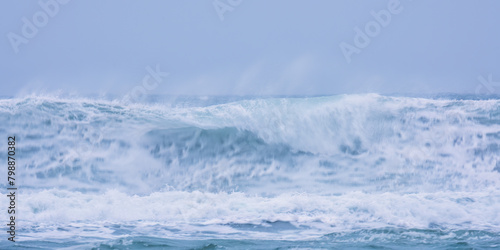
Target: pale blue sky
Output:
[{"x": 270, "y": 47}]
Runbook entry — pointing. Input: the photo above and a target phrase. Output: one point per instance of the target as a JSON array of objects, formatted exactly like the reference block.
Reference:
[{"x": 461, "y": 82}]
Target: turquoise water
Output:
[
  {"x": 349, "y": 172},
  {"x": 363, "y": 239},
  {"x": 387, "y": 238}
]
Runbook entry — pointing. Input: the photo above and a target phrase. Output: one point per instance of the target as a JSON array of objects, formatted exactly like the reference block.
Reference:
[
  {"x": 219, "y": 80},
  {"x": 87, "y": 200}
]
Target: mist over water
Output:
[{"x": 315, "y": 171}]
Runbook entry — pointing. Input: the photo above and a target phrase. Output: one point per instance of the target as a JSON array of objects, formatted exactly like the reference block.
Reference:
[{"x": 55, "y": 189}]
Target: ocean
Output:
[{"x": 360, "y": 171}]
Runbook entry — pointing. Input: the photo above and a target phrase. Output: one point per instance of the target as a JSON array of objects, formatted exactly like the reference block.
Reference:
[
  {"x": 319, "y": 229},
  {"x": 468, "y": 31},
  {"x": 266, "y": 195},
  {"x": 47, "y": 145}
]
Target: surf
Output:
[{"x": 256, "y": 168}]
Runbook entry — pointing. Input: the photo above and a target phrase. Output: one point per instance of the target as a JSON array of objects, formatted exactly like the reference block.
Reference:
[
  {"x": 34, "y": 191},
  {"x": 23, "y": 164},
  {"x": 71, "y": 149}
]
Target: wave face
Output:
[{"x": 328, "y": 169}]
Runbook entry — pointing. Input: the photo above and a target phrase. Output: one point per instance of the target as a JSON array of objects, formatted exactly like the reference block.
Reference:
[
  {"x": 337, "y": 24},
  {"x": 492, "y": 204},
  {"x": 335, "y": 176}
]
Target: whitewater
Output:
[{"x": 348, "y": 171}]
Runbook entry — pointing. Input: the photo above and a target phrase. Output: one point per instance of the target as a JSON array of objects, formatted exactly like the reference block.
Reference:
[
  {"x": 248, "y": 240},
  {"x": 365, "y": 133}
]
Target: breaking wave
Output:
[{"x": 261, "y": 168}]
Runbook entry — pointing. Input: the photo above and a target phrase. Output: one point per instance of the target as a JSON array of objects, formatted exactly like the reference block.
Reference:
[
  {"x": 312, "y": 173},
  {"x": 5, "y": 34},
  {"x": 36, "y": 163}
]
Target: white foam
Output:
[
  {"x": 315, "y": 215},
  {"x": 322, "y": 164}
]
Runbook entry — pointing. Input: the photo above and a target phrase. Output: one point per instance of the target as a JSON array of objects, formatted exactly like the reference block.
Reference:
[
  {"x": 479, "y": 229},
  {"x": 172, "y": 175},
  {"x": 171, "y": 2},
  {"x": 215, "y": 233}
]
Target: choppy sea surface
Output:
[{"x": 343, "y": 172}]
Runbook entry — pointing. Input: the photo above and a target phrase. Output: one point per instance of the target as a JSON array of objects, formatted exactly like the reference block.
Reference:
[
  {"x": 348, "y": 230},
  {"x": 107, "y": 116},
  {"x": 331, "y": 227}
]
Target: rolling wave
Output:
[{"x": 257, "y": 167}]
